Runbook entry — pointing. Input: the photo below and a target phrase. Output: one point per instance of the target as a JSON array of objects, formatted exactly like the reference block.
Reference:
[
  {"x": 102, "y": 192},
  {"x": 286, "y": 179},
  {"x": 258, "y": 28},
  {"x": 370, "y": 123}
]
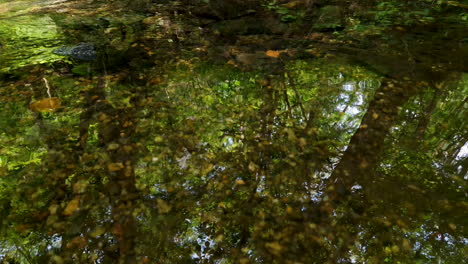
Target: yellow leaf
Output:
[
  {"x": 45, "y": 105},
  {"x": 53, "y": 209},
  {"x": 207, "y": 169},
  {"x": 57, "y": 259},
  {"x": 113, "y": 146},
  {"x": 240, "y": 182},
  {"x": 273, "y": 53},
  {"x": 72, "y": 206},
  {"x": 274, "y": 247},
  {"x": 163, "y": 207},
  {"x": 401, "y": 223},
  {"x": 291, "y": 134},
  {"x": 244, "y": 261},
  {"x": 104, "y": 118},
  {"x": 98, "y": 231},
  {"x": 302, "y": 142},
  {"x": 127, "y": 148},
  {"x": 80, "y": 186},
  {"x": 115, "y": 166},
  {"x": 406, "y": 245},
  {"x": 253, "y": 166},
  {"x": 388, "y": 250}
]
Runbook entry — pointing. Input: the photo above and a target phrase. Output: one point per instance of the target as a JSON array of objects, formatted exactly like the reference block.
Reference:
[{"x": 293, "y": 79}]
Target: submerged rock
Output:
[{"x": 82, "y": 51}]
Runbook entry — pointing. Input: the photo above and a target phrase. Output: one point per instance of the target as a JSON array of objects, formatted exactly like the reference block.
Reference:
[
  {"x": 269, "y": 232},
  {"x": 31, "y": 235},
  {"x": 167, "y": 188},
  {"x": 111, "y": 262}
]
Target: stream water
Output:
[{"x": 232, "y": 132}]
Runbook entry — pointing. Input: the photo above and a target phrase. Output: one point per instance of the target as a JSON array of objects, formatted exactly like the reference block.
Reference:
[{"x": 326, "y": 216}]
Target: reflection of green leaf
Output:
[
  {"x": 27, "y": 40},
  {"x": 81, "y": 69}
]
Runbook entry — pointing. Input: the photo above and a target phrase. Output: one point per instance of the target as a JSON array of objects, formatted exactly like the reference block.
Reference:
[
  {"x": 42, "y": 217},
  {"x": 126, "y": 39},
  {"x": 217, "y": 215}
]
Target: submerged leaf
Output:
[
  {"x": 72, "y": 206},
  {"x": 163, "y": 206},
  {"x": 45, "y": 105},
  {"x": 273, "y": 53},
  {"x": 115, "y": 166}
]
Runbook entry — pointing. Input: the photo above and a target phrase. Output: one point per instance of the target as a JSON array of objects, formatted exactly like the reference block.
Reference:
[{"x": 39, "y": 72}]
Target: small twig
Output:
[{"x": 47, "y": 86}]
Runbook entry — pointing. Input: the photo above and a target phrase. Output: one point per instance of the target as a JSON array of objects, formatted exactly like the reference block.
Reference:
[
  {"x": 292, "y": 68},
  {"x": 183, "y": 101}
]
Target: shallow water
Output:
[{"x": 198, "y": 137}]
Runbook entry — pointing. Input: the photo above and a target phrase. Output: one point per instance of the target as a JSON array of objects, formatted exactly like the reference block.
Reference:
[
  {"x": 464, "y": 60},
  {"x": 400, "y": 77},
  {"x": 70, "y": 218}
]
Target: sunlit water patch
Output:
[{"x": 27, "y": 40}]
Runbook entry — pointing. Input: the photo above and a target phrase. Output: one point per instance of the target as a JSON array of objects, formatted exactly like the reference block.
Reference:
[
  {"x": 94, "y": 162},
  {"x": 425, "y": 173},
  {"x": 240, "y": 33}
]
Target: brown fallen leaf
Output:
[
  {"x": 294, "y": 4},
  {"x": 45, "y": 105},
  {"x": 118, "y": 229},
  {"x": 77, "y": 242}
]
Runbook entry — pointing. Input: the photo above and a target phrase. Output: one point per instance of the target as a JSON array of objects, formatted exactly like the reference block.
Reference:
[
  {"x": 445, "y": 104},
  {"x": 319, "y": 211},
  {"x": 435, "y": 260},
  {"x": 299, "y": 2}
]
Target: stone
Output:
[{"x": 82, "y": 51}]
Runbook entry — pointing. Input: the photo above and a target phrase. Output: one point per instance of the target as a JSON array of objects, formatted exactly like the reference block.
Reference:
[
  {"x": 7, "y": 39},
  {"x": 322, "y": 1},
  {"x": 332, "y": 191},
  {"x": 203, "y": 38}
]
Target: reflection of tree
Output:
[
  {"x": 360, "y": 161},
  {"x": 251, "y": 167}
]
